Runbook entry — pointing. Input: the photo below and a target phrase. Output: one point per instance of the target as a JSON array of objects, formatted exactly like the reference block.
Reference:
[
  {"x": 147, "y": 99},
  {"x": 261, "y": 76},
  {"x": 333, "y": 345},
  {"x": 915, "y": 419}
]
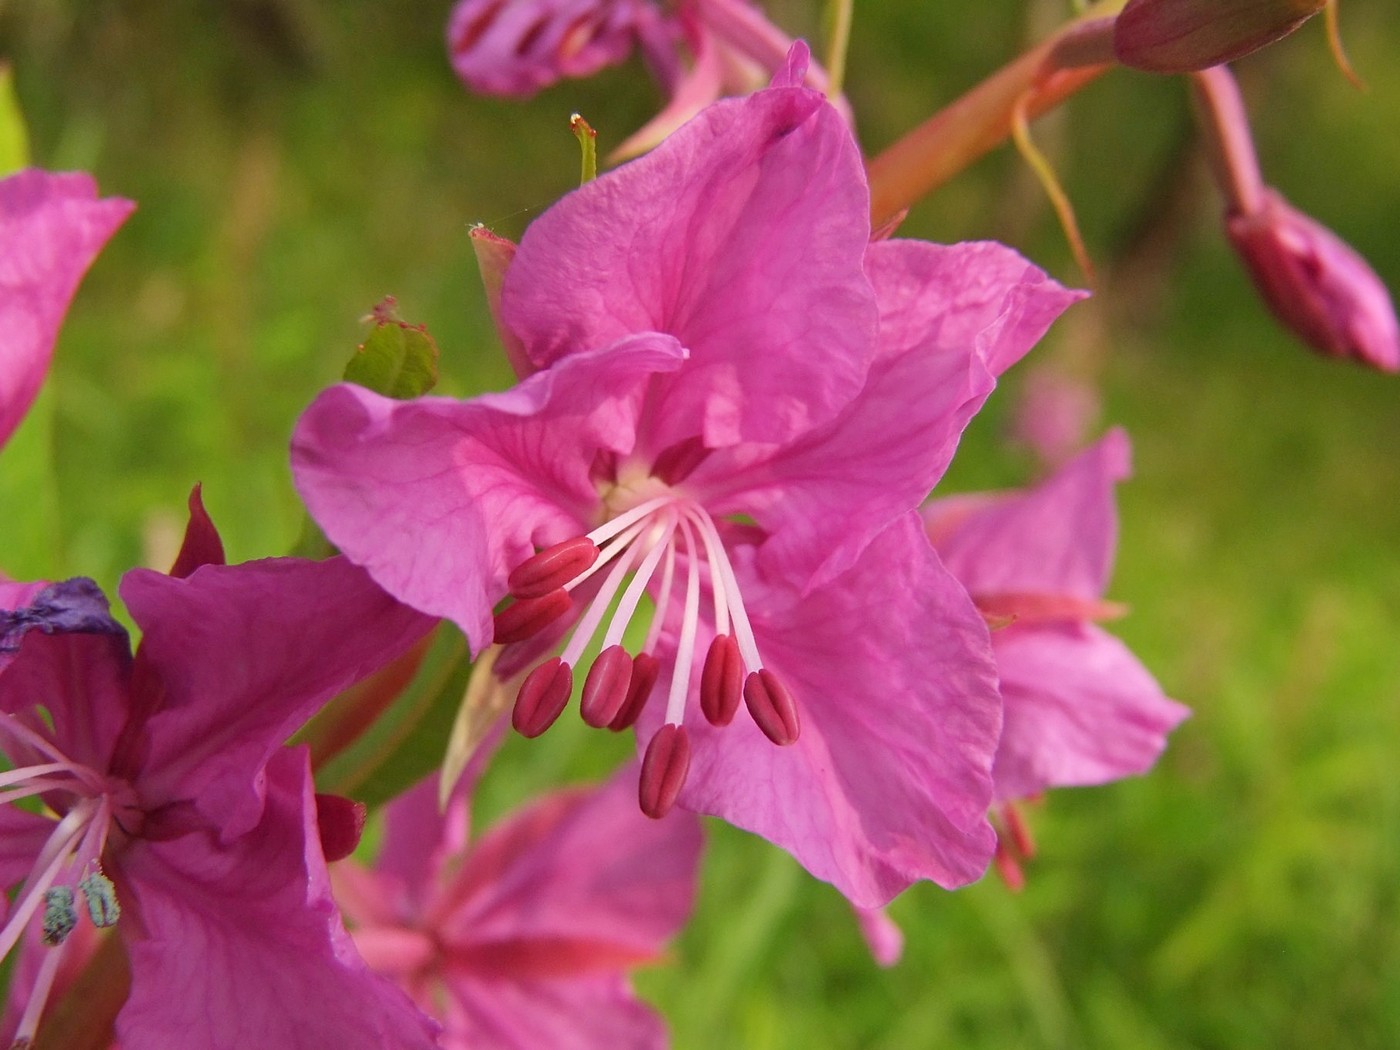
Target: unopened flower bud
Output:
[
  {"x": 1179, "y": 36},
  {"x": 1316, "y": 284}
]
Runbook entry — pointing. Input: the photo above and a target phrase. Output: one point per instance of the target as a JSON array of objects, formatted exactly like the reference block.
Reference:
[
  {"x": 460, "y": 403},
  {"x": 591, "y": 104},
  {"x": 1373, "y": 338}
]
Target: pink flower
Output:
[
  {"x": 740, "y": 403},
  {"x": 167, "y": 794},
  {"x": 51, "y": 228},
  {"x": 697, "y": 50},
  {"x": 523, "y": 939},
  {"x": 1080, "y": 708}
]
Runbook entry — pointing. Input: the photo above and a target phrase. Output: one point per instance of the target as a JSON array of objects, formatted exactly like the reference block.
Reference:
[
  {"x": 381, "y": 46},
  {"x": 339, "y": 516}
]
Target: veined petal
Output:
[
  {"x": 580, "y": 866},
  {"x": 890, "y": 779},
  {"x": 599, "y": 1012},
  {"x": 742, "y": 235},
  {"x": 951, "y": 317},
  {"x": 51, "y": 228},
  {"x": 22, "y": 836},
  {"x": 240, "y": 945},
  {"x": 439, "y": 499},
  {"x": 1056, "y": 539},
  {"x": 246, "y": 653},
  {"x": 1080, "y": 709}
]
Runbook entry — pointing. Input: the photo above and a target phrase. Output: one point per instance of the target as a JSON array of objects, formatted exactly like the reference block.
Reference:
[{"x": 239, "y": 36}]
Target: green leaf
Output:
[
  {"x": 398, "y": 360},
  {"x": 404, "y": 741},
  {"x": 14, "y": 140}
]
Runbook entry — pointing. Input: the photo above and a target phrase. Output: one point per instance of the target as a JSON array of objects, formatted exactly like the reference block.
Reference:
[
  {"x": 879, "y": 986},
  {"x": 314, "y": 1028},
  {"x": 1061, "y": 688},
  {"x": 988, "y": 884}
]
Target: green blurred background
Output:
[{"x": 295, "y": 162}]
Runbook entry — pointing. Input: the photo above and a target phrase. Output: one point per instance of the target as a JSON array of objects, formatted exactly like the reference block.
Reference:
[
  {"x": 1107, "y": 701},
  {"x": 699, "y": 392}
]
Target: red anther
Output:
[
  {"x": 542, "y": 697},
  {"x": 722, "y": 681},
  {"x": 522, "y": 619},
  {"x": 663, "y": 770},
  {"x": 552, "y": 567},
  {"x": 1021, "y": 835},
  {"x": 606, "y": 687},
  {"x": 771, "y": 706},
  {"x": 645, "y": 669}
]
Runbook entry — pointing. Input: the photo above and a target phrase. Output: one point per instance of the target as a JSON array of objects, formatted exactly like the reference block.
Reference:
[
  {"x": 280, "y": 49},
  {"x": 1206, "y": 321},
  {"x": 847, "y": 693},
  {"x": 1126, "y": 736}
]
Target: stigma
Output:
[{"x": 667, "y": 546}]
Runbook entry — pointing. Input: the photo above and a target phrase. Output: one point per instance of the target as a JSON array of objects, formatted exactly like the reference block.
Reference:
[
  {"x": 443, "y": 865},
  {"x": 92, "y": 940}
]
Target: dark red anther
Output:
[
  {"x": 722, "y": 681},
  {"x": 771, "y": 706},
  {"x": 552, "y": 567},
  {"x": 542, "y": 697},
  {"x": 663, "y": 770},
  {"x": 527, "y": 617},
  {"x": 645, "y": 669},
  {"x": 606, "y": 687}
]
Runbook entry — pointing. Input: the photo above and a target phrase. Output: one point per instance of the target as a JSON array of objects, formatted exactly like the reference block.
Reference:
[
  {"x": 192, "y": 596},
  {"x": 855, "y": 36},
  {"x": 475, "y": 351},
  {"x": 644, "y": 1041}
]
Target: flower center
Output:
[
  {"x": 659, "y": 541},
  {"x": 67, "y": 869}
]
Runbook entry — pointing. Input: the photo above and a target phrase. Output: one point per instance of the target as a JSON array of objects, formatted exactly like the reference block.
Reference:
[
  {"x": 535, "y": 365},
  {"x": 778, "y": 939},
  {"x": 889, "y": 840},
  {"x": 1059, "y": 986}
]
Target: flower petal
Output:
[
  {"x": 1056, "y": 539},
  {"x": 594, "y": 1013},
  {"x": 1080, "y": 709},
  {"x": 238, "y": 944},
  {"x": 51, "y": 228},
  {"x": 742, "y": 235},
  {"x": 70, "y": 658},
  {"x": 438, "y": 499},
  {"x": 951, "y": 317},
  {"x": 582, "y": 866},
  {"x": 890, "y": 779},
  {"x": 246, "y": 653}
]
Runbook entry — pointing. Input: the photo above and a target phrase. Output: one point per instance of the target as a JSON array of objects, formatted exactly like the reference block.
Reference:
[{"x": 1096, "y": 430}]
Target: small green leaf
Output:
[
  {"x": 14, "y": 140},
  {"x": 398, "y": 360}
]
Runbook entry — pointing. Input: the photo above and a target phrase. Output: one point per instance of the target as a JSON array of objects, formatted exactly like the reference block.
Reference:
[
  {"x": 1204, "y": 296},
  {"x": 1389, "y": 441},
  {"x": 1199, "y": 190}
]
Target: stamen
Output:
[
  {"x": 685, "y": 651},
  {"x": 664, "y": 767},
  {"x": 60, "y": 916},
  {"x": 526, "y": 618},
  {"x": 772, "y": 707},
  {"x": 552, "y": 567},
  {"x": 645, "y": 670},
  {"x": 101, "y": 897},
  {"x": 607, "y": 687},
  {"x": 542, "y": 698},
  {"x": 721, "y": 681},
  {"x": 38, "y": 998},
  {"x": 722, "y": 575}
]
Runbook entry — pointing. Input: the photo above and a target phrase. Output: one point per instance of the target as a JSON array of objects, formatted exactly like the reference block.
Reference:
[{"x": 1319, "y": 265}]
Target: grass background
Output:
[{"x": 294, "y": 162}]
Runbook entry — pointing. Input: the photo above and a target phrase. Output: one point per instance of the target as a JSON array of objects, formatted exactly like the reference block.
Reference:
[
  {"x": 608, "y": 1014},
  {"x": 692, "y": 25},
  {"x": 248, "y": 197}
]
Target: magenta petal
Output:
[
  {"x": 882, "y": 935},
  {"x": 743, "y": 236},
  {"x": 22, "y": 837},
  {"x": 951, "y": 317},
  {"x": 74, "y": 661},
  {"x": 246, "y": 654},
  {"x": 439, "y": 499},
  {"x": 582, "y": 866},
  {"x": 517, "y": 47},
  {"x": 239, "y": 944},
  {"x": 890, "y": 780},
  {"x": 51, "y": 228},
  {"x": 1080, "y": 709},
  {"x": 1057, "y": 538},
  {"x": 598, "y": 1012}
]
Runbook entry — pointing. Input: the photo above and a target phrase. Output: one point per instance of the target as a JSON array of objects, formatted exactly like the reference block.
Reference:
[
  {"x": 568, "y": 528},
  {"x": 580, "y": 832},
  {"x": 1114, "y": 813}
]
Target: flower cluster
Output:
[{"x": 706, "y": 515}]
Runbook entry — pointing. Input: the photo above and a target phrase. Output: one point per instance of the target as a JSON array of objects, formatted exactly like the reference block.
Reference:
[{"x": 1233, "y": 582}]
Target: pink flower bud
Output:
[
  {"x": 1179, "y": 36},
  {"x": 1316, "y": 284}
]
